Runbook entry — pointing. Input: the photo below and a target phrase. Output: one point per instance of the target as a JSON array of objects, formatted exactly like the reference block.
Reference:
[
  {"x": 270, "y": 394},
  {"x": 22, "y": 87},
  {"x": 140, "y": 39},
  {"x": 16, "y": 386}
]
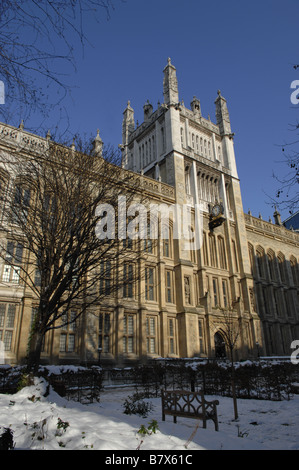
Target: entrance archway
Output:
[{"x": 219, "y": 345}]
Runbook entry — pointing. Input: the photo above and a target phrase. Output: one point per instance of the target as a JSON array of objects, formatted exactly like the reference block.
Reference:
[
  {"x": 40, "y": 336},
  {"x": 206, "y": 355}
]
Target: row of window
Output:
[
  {"x": 213, "y": 252},
  {"x": 201, "y": 145},
  {"x": 279, "y": 336},
  {"x": 147, "y": 151},
  {"x": 68, "y": 342},
  {"x": 69, "y": 336},
  {"x": 276, "y": 301},
  {"x": 267, "y": 266}
]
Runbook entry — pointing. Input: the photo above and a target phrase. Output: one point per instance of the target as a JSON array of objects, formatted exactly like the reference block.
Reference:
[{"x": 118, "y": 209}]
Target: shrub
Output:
[
  {"x": 6, "y": 440},
  {"x": 136, "y": 405}
]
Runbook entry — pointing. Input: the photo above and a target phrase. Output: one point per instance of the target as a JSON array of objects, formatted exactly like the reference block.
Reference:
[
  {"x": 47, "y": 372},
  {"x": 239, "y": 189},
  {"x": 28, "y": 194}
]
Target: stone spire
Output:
[
  {"x": 170, "y": 85},
  {"x": 195, "y": 106},
  {"x": 222, "y": 115},
  {"x": 128, "y": 123},
  {"x": 277, "y": 217},
  {"x": 98, "y": 145}
]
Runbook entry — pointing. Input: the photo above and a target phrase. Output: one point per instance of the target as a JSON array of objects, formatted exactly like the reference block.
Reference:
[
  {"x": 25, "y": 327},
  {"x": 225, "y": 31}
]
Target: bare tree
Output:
[
  {"x": 37, "y": 45},
  {"x": 230, "y": 332},
  {"x": 287, "y": 196},
  {"x": 50, "y": 233}
]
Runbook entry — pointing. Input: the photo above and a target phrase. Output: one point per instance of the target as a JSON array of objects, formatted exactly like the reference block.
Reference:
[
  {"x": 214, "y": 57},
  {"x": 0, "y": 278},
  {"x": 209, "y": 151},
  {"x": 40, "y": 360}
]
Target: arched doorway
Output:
[{"x": 219, "y": 345}]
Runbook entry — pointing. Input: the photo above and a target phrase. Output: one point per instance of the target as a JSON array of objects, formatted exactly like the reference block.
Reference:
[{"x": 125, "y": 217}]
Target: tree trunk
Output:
[
  {"x": 34, "y": 352},
  {"x": 234, "y": 386}
]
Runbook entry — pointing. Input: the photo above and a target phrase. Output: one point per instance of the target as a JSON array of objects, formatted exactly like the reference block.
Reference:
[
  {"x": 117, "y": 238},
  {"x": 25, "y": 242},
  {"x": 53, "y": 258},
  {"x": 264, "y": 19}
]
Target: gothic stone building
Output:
[{"x": 246, "y": 266}]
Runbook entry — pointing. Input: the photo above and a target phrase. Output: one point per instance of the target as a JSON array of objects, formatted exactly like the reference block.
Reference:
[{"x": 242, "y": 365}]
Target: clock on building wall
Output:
[{"x": 216, "y": 215}]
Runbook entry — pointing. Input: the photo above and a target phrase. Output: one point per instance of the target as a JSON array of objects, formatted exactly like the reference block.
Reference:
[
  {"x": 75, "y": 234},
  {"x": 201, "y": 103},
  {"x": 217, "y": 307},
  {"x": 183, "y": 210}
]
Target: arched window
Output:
[
  {"x": 281, "y": 266},
  {"x": 205, "y": 147},
  {"x": 251, "y": 258},
  {"x": 213, "y": 251},
  {"x": 154, "y": 149},
  {"x": 209, "y": 149},
  {"x": 294, "y": 270},
  {"x": 260, "y": 262},
  {"x": 222, "y": 254},
  {"x": 187, "y": 180},
  {"x": 3, "y": 187},
  {"x": 271, "y": 265},
  {"x": 163, "y": 140},
  {"x": 182, "y": 137}
]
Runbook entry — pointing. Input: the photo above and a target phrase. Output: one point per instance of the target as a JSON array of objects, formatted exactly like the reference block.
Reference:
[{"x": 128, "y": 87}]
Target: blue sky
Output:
[{"x": 245, "y": 49}]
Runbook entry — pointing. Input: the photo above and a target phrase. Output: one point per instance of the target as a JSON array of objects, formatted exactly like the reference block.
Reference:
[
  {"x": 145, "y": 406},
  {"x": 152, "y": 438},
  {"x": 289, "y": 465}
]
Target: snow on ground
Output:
[{"x": 53, "y": 423}]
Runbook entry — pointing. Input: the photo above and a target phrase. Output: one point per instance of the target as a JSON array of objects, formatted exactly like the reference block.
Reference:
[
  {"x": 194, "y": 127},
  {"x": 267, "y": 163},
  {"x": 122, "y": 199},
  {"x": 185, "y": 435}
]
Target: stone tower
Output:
[{"x": 180, "y": 147}]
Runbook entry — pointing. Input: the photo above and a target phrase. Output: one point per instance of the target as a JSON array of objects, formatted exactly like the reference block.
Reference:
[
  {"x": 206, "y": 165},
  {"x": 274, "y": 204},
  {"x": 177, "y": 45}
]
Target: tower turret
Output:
[
  {"x": 222, "y": 115},
  {"x": 170, "y": 85},
  {"x": 128, "y": 123},
  {"x": 98, "y": 145}
]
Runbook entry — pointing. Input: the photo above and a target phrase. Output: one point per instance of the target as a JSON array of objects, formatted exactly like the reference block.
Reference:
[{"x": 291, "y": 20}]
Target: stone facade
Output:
[{"x": 245, "y": 270}]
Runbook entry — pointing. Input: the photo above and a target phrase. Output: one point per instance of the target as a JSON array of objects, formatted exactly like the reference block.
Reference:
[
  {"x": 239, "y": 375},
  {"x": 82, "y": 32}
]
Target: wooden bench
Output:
[{"x": 189, "y": 405}]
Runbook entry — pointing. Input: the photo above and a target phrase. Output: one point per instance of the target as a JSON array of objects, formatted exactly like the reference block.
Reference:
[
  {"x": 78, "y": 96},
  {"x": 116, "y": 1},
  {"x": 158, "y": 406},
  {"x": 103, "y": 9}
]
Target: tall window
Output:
[
  {"x": 205, "y": 147},
  {"x": 215, "y": 292},
  {"x": 235, "y": 257},
  {"x": 13, "y": 261},
  {"x": 271, "y": 266},
  {"x": 7, "y": 321},
  {"x": 294, "y": 271},
  {"x": 171, "y": 336},
  {"x": 68, "y": 332},
  {"x": 163, "y": 139},
  {"x": 277, "y": 301},
  {"x": 148, "y": 243},
  {"x": 21, "y": 203},
  {"x": 281, "y": 268},
  {"x": 151, "y": 340},
  {"x": 149, "y": 284},
  {"x": 222, "y": 255},
  {"x": 168, "y": 286},
  {"x": 128, "y": 337},
  {"x": 105, "y": 278},
  {"x": 225, "y": 293},
  {"x": 265, "y": 305},
  {"x": 104, "y": 332},
  {"x": 200, "y": 334},
  {"x": 213, "y": 252},
  {"x": 128, "y": 280},
  {"x": 166, "y": 233},
  {"x": 187, "y": 180},
  {"x": 260, "y": 264},
  {"x": 154, "y": 149},
  {"x": 205, "y": 258}
]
